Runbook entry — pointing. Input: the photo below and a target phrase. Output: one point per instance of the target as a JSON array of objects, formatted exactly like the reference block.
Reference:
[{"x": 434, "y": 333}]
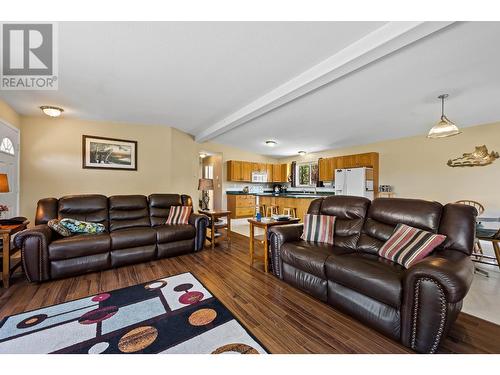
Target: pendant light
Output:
[{"x": 445, "y": 127}]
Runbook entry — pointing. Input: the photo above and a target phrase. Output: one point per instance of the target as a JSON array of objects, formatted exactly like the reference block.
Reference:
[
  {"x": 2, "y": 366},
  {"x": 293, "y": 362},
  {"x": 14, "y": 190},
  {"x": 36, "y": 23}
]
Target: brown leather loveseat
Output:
[
  {"x": 135, "y": 232},
  {"x": 415, "y": 306}
]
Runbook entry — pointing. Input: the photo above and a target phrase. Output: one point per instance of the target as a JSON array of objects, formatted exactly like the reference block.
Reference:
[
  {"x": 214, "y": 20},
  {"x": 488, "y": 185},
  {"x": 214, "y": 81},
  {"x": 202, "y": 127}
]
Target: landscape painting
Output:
[{"x": 109, "y": 153}]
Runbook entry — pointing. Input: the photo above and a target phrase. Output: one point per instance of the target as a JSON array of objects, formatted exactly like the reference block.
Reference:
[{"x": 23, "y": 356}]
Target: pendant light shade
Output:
[{"x": 445, "y": 127}]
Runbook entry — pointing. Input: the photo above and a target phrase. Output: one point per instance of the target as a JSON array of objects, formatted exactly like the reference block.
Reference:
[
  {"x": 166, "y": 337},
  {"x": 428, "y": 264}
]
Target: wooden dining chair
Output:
[{"x": 478, "y": 250}]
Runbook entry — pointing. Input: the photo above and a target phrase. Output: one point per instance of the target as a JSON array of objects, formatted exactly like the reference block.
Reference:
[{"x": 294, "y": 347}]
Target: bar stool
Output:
[
  {"x": 271, "y": 210},
  {"x": 290, "y": 211},
  {"x": 262, "y": 209}
]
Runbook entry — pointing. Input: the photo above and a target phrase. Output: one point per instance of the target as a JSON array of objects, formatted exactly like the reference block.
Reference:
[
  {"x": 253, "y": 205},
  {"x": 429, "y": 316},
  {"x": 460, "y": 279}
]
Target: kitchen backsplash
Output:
[{"x": 252, "y": 188}]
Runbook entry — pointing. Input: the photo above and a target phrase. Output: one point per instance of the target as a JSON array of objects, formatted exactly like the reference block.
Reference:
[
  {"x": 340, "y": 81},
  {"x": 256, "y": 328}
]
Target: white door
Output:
[{"x": 9, "y": 164}]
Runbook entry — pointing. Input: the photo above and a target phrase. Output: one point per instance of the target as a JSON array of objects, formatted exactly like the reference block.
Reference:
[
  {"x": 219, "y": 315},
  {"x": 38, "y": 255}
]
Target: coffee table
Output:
[{"x": 265, "y": 224}]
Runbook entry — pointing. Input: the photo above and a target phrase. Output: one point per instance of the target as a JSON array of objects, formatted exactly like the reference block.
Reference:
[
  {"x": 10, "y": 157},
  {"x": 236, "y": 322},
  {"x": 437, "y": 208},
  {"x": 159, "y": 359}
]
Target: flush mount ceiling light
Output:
[
  {"x": 445, "y": 127},
  {"x": 302, "y": 153},
  {"x": 203, "y": 155},
  {"x": 51, "y": 111},
  {"x": 271, "y": 143}
]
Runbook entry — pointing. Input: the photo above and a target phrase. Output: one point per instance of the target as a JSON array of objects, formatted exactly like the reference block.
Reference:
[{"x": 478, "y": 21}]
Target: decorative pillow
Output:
[
  {"x": 408, "y": 245},
  {"x": 77, "y": 226},
  {"x": 179, "y": 215},
  {"x": 57, "y": 227},
  {"x": 318, "y": 228}
]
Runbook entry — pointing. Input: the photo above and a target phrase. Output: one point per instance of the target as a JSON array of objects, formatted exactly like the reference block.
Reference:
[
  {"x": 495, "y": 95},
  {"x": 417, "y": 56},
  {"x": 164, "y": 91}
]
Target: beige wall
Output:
[
  {"x": 51, "y": 160},
  {"x": 8, "y": 115},
  {"x": 416, "y": 166}
]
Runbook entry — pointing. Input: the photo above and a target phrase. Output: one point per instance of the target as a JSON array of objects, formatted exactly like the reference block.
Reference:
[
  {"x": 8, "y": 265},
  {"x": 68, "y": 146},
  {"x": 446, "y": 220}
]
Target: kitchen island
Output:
[{"x": 244, "y": 205}]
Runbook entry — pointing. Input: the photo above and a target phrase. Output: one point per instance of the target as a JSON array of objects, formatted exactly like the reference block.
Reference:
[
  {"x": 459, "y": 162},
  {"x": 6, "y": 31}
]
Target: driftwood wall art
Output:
[{"x": 480, "y": 157}]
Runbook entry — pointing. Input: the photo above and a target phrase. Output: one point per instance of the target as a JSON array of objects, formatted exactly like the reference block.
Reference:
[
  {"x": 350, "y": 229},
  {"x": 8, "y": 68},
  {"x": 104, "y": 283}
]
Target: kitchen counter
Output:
[{"x": 291, "y": 194}]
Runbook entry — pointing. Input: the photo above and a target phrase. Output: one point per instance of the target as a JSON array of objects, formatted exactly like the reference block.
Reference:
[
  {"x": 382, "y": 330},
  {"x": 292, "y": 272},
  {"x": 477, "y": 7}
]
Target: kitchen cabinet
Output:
[
  {"x": 234, "y": 170},
  {"x": 301, "y": 205},
  {"x": 246, "y": 171},
  {"x": 280, "y": 172},
  {"x": 269, "y": 171},
  {"x": 326, "y": 169},
  {"x": 241, "y": 206}
]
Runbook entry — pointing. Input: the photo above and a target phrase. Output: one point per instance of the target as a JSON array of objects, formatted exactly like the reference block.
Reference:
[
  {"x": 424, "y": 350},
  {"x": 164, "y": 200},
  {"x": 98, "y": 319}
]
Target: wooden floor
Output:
[{"x": 283, "y": 318}]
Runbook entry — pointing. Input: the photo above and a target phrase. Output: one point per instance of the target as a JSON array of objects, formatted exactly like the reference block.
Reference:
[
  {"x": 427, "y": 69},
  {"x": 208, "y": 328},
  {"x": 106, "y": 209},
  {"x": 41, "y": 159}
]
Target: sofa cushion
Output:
[
  {"x": 128, "y": 211},
  {"x": 56, "y": 226},
  {"x": 179, "y": 215},
  {"x": 132, "y": 237},
  {"x": 79, "y": 245},
  {"x": 385, "y": 213},
  {"x": 368, "y": 274},
  {"x": 159, "y": 206},
  {"x": 318, "y": 228},
  {"x": 349, "y": 212},
  {"x": 175, "y": 232},
  {"x": 408, "y": 245},
  {"x": 90, "y": 207},
  {"x": 309, "y": 256}
]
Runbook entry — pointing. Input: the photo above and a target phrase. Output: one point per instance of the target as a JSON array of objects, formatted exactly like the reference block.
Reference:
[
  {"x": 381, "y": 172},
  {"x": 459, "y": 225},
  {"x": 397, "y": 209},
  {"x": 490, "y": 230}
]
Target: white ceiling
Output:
[{"x": 192, "y": 75}]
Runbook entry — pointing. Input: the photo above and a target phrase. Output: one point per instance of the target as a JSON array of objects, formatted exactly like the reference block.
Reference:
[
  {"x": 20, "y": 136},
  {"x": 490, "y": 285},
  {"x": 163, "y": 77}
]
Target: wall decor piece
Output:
[
  {"x": 478, "y": 158},
  {"x": 109, "y": 153}
]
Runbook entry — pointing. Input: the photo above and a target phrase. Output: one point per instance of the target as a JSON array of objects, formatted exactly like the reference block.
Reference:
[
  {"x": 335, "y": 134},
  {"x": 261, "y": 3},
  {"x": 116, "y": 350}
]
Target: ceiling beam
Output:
[{"x": 379, "y": 43}]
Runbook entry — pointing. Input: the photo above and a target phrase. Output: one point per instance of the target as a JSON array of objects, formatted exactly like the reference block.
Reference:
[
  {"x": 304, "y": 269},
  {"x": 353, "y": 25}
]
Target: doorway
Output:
[
  {"x": 211, "y": 167},
  {"x": 9, "y": 165}
]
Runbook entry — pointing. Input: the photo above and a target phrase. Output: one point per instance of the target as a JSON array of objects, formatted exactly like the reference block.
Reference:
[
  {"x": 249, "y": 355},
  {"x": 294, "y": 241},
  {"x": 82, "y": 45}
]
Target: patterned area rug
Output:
[{"x": 171, "y": 315}]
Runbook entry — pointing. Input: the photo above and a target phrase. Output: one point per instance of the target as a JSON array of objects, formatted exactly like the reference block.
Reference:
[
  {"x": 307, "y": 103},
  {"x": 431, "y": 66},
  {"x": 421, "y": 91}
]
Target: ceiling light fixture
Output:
[
  {"x": 271, "y": 143},
  {"x": 203, "y": 155},
  {"x": 445, "y": 127},
  {"x": 302, "y": 153},
  {"x": 51, "y": 111}
]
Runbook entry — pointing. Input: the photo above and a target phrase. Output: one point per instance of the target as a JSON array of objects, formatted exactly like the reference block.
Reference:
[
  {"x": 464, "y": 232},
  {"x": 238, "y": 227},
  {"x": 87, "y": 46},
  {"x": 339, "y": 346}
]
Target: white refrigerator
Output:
[{"x": 353, "y": 181}]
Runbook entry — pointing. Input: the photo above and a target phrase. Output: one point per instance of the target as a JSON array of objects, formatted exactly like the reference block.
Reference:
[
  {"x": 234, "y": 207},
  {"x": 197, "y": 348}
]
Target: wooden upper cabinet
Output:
[
  {"x": 326, "y": 169},
  {"x": 255, "y": 167},
  {"x": 269, "y": 170},
  {"x": 246, "y": 171},
  {"x": 276, "y": 173},
  {"x": 234, "y": 170}
]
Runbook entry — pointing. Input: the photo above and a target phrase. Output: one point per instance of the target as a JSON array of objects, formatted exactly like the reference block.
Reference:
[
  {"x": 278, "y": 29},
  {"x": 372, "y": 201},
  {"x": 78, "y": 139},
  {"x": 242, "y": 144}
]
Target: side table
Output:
[
  {"x": 214, "y": 226},
  {"x": 7, "y": 268}
]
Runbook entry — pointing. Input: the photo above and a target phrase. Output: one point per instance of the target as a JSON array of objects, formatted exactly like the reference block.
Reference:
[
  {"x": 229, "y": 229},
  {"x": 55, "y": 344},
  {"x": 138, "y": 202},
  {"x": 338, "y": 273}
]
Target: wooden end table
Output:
[
  {"x": 214, "y": 226},
  {"x": 7, "y": 269},
  {"x": 264, "y": 225}
]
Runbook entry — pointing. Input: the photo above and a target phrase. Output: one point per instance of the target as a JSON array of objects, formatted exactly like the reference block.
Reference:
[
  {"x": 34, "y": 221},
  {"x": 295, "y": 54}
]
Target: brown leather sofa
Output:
[
  {"x": 135, "y": 232},
  {"x": 415, "y": 306}
]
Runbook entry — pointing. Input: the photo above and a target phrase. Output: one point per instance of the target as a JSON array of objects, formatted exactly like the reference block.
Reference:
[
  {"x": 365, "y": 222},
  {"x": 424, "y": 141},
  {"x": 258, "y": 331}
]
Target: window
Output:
[
  {"x": 307, "y": 174},
  {"x": 7, "y": 146}
]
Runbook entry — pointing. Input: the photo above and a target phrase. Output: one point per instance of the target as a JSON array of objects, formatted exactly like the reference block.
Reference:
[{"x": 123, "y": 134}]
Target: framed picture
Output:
[{"x": 109, "y": 153}]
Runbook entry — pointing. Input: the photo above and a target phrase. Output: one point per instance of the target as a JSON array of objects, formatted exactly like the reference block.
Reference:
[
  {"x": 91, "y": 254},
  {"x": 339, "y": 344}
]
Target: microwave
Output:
[{"x": 259, "y": 177}]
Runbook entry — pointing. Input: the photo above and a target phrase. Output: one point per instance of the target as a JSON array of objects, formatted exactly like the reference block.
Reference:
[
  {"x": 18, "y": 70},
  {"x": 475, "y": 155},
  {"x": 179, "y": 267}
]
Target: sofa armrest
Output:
[
  {"x": 278, "y": 235},
  {"x": 433, "y": 290},
  {"x": 200, "y": 223},
  {"x": 34, "y": 244}
]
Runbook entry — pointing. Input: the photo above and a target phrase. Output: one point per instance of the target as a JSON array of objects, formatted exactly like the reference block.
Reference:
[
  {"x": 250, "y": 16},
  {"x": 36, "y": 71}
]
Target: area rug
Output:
[{"x": 175, "y": 314}]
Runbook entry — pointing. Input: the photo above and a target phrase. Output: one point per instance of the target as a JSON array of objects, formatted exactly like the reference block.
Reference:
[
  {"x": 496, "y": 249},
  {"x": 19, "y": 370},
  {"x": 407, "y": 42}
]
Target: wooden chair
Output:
[
  {"x": 271, "y": 210},
  {"x": 290, "y": 211},
  {"x": 478, "y": 250},
  {"x": 493, "y": 236}
]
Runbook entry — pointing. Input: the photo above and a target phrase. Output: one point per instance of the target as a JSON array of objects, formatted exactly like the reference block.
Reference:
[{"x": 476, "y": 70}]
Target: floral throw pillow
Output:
[
  {"x": 77, "y": 226},
  {"x": 57, "y": 227}
]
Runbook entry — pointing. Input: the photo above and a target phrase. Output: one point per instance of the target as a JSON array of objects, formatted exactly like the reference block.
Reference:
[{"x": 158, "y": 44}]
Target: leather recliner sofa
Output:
[
  {"x": 135, "y": 232},
  {"x": 415, "y": 306}
]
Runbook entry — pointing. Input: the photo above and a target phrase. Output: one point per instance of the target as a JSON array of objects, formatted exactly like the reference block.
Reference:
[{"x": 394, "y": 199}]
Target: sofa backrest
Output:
[
  {"x": 385, "y": 213},
  {"x": 92, "y": 208},
  {"x": 350, "y": 213},
  {"x": 128, "y": 211},
  {"x": 159, "y": 207}
]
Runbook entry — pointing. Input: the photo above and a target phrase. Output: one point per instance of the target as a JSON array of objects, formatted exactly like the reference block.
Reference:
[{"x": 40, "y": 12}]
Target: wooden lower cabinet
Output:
[
  {"x": 300, "y": 204},
  {"x": 241, "y": 206}
]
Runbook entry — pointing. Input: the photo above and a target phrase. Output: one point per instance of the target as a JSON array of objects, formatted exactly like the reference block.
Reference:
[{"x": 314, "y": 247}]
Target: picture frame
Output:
[{"x": 108, "y": 153}]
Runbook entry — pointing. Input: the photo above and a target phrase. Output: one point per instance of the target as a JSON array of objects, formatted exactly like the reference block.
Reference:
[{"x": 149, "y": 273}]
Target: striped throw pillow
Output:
[
  {"x": 179, "y": 215},
  {"x": 408, "y": 245},
  {"x": 318, "y": 228}
]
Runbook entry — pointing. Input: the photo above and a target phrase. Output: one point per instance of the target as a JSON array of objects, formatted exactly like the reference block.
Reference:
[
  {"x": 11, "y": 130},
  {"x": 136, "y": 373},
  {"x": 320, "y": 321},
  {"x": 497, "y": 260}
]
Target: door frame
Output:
[{"x": 18, "y": 157}]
